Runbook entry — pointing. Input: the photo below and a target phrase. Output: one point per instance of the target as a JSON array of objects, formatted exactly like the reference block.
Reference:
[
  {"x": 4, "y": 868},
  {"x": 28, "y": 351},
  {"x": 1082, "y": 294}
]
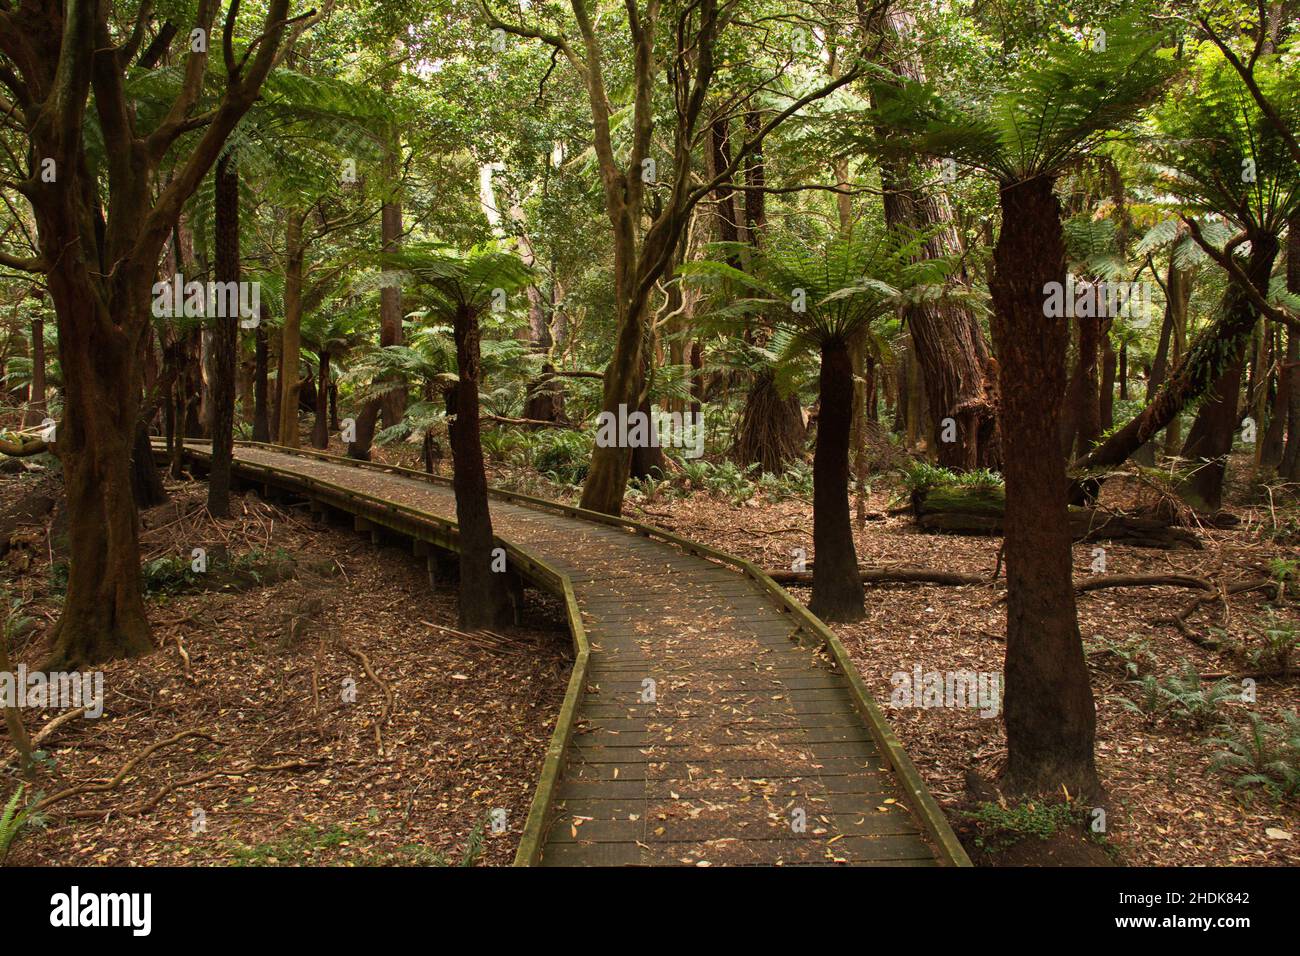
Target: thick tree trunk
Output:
[
  {"x": 291, "y": 333},
  {"x": 225, "y": 336},
  {"x": 484, "y": 594},
  {"x": 771, "y": 431},
  {"x": 611, "y": 465},
  {"x": 1214, "y": 351},
  {"x": 1049, "y": 709},
  {"x": 103, "y": 615},
  {"x": 949, "y": 343},
  {"x": 837, "y": 589}
]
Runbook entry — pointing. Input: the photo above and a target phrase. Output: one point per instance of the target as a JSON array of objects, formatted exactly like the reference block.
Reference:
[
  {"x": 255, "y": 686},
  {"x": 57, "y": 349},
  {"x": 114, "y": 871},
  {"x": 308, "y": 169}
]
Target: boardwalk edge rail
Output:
[{"x": 920, "y": 800}]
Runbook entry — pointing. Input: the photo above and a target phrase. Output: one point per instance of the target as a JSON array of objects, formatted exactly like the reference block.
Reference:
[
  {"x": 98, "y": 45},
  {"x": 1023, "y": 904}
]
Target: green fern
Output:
[{"x": 17, "y": 817}]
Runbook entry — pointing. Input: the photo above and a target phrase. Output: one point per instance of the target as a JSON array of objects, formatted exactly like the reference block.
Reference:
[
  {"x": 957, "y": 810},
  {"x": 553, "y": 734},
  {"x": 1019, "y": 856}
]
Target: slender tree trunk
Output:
[
  {"x": 225, "y": 337},
  {"x": 1049, "y": 709},
  {"x": 320, "y": 435},
  {"x": 36, "y": 407},
  {"x": 291, "y": 334},
  {"x": 146, "y": 480},
  {"x": 1106, "y": 400},
  {"x": 837, "y": 593},
  {"x": 1082, "y": 418},
  {"x": 393, "y": 403},
  {"x": 1123, "y": 375},
  {"x": 1272, "y": 446},
  {"x": 1290, "y": 465},
  {"x": 484, "y": 596},
  {"x": 771, "y": 433},
  {"x": 261, "y": 362}
]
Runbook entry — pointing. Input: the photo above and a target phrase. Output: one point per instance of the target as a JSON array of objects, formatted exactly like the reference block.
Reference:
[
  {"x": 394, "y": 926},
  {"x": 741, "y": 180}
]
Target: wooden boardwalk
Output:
[{"x": 710, "y": 720}]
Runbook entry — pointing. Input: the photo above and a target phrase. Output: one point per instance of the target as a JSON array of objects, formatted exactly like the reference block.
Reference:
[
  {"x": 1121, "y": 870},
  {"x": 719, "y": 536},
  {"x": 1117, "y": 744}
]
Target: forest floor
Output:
[
  {"x": 472, "y": 713},
  {"x": 398, "y": 758}
]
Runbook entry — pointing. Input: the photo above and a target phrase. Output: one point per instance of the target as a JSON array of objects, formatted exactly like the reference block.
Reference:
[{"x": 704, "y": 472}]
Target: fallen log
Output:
[
  {"x": 898, "y": 575},
  {"x": 917, "y": 575},
  {"x": 977, "y": 510},
  {"x": 23, "y": 447}
]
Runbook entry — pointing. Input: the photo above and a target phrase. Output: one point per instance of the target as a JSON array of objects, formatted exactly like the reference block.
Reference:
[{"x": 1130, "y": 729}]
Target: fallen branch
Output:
[
  {"x": 538, "y": 422},
  {"x": 387, "y": 705},
  {"x": 1144, "y": 580},
  {"x": 44, "y": 733}
]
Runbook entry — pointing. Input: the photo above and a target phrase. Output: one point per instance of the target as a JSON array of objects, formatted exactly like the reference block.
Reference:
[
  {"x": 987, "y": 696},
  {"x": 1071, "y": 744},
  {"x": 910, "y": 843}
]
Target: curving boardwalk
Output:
[{"x": 706, "y": 723}]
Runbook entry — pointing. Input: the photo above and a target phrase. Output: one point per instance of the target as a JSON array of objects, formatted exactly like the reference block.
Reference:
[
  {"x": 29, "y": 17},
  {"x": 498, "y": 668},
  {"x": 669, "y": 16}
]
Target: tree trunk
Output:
[
  {"x": 1082, "y": 417},
  {"x": 1214, "y": 351},
  {"x": 320, "y": 435},
  {"x": 484, "y": 595},
  {"x": 948, "y": 340},
  {"x": 1209, "y": 442},
  {"x": 103, "y": 614},
  {"x": 146, "y": 480},
  {"x": 1123, "y": 377},
  {"x": 393, "y": 403},
  {"x": 771, "y": 432},
  {"x": 1106, "y": 400},
  {"x": 837, "y": 589},
  {"x": 225, "y": 336},
  {"x": 1290, "y": 466},
  {"x": 1049, "y": 709},
  {"x": 1271, "y": 448},
  {"x": 36, "y": 407},
  {"x": 262, "y": 347},
  {"x": 291, "y": 334}
]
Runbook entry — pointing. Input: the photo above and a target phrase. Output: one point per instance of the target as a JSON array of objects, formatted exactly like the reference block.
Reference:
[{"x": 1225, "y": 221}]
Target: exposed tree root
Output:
[
  {"x": 122, "y": 773},
  {"x": 146, "y": 805}
]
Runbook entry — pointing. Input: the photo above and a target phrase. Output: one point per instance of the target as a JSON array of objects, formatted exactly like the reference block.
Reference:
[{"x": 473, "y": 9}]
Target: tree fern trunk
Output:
[{"x": 1050, "y": 714}]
